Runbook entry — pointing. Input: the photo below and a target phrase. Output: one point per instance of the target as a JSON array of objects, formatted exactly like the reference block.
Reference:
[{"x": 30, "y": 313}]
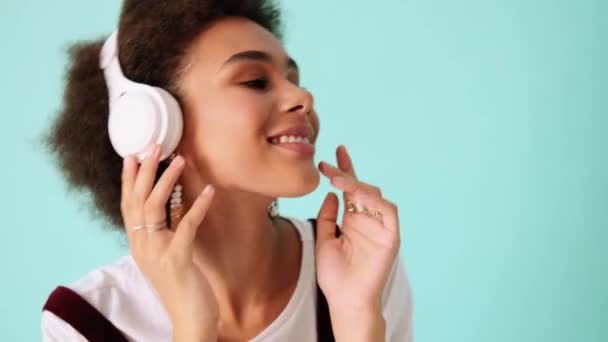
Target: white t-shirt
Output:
[{"x": 123, "y": 295}]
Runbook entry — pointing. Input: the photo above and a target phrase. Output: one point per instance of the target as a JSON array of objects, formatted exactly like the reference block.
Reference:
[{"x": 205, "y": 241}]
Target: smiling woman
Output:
[{"x": 186, "y": 125}]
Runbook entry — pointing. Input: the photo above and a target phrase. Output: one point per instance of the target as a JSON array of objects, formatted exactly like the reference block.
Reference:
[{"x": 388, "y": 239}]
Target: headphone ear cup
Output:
[
  {"x": 143, "y": 116},
  {"x": 173, "y": 120},
  {"x": 134, "y": 121}
]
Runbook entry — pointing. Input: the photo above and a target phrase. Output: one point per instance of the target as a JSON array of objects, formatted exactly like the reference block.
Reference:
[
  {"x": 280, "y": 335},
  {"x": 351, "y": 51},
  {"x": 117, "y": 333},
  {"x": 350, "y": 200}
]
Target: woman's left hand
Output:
[{"x": 352, "y": 269}]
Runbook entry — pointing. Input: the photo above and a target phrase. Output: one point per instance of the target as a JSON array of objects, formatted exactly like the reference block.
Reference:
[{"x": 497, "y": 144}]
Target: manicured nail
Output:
[
  {"x": 208, "y": 190},
  {"x": 177, "y": 161},
  {"x": 150, "y": 152},
  {"x": 127, "y": 162}
]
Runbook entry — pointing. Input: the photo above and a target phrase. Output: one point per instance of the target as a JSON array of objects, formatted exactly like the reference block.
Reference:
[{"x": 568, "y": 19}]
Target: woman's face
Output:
[{"x": 239, "y": 90}]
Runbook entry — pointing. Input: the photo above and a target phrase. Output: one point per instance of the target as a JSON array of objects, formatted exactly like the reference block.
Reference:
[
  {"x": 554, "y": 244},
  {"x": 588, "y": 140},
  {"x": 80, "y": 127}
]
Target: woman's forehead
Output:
[{"x": 231, "y": 40}]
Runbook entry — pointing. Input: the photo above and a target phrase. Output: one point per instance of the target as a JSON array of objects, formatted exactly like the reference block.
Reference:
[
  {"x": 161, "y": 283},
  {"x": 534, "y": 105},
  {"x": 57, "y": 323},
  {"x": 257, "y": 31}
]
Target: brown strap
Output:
[
  {"x": 82, "y": 316},
  {"x": 324, "y": 329}
]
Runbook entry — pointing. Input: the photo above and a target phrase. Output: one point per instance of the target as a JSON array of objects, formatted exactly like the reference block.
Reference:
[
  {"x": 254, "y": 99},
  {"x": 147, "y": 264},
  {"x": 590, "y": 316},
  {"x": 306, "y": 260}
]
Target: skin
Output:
[{"x": 228, "y": 270}]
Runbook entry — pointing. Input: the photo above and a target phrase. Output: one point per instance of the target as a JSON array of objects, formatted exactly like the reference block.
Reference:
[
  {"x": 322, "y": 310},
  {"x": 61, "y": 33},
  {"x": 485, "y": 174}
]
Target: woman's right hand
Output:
[{"x": 165, "y": 256}]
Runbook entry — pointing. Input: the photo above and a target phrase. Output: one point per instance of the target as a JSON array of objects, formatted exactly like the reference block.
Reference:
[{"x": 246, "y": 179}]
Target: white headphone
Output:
[{"x": 140, "y": 114}]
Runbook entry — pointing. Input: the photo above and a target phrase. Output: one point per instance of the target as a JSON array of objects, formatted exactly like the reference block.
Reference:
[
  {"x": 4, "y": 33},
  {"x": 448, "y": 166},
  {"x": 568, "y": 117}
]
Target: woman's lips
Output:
[{"x": 302, "y": 148}]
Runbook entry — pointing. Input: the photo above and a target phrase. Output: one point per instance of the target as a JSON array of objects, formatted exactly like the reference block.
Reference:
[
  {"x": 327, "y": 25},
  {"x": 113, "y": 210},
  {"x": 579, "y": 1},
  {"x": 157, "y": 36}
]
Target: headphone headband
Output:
[
  {"x": 116, "y": 81},
  {"x": 109, "y": 50},
  {"x": 140, "y": 114}
]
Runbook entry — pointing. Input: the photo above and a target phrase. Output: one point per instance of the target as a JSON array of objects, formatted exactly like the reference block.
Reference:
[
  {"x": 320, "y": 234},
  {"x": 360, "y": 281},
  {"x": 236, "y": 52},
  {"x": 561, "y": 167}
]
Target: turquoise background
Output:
[{"x": 485, "y": 121}]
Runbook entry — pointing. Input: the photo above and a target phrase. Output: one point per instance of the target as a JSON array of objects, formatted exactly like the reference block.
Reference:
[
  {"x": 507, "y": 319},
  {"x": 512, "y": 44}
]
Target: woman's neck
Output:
[{"x": 249, "y": 259}]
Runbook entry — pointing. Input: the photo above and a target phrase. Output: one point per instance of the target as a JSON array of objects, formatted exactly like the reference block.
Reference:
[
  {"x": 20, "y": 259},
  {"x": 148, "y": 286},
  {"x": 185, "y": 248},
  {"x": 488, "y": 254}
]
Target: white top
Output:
[{"x": 122, "y": 294}]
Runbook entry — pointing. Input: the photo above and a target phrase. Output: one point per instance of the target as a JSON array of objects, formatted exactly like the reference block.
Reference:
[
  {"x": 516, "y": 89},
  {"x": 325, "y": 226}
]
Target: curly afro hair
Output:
[{"x": 153, "y": 43}]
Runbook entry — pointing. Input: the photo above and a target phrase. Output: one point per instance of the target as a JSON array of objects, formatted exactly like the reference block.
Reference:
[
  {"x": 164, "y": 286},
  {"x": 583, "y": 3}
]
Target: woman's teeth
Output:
[{"x": 285, "y": 139}]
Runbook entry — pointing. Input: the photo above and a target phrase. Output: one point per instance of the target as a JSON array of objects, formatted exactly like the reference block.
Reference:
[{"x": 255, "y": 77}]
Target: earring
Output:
[
  {"x": 176, "y": 208},
  {"x": 273, "y": 209}
]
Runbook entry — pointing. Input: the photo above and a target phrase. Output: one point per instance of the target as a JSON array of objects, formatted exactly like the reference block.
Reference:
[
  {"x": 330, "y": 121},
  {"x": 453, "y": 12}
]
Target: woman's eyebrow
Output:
[{"x": 256, "y": 55}]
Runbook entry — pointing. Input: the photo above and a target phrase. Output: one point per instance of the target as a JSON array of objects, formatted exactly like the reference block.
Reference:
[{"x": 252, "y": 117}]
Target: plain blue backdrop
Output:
[{"x": 485, "y": 121}]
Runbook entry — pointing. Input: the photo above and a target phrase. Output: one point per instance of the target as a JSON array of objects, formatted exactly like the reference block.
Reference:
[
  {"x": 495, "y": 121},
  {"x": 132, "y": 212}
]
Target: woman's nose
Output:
[{"x": 298, "y": 100}]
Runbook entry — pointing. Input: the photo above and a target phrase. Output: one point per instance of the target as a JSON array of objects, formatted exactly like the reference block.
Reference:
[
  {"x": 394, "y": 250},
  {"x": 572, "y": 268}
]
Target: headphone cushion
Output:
[
  {"x": 174, "y": 120},
  {"x": 143, "y": 116}
]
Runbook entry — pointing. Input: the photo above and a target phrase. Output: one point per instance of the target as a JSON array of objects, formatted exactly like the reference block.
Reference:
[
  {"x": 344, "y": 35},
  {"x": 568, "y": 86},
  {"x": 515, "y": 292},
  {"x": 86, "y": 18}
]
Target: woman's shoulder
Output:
[
  {"x": 117, "y": 291},
  {"x": 103, "y": 287},
  {"x": 106, "y": 286},
  {"x": 118, "y": 274}
]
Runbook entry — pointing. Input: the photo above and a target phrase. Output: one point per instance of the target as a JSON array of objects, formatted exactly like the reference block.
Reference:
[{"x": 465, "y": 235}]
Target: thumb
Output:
[{"x": 327, "y": 217}]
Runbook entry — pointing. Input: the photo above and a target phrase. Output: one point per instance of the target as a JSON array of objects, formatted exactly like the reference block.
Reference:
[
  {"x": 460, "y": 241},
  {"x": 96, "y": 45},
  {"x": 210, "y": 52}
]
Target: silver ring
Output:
[
  {"x": 156, "y": 226},
  {"x": 151, "y": 227},
  {"x": 355, "y": 207},
  {"x": 136, "y": 228},
  {"x": 360, "y": 208}
]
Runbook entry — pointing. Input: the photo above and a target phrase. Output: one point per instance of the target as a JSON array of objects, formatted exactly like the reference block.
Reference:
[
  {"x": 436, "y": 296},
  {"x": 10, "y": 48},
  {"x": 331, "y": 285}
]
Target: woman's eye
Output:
[{"x": 259, "y": 84}]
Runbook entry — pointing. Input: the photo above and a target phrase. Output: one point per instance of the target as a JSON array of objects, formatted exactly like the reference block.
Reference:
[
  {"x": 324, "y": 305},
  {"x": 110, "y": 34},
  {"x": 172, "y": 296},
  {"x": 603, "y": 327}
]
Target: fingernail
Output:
[
  {"x": 127, "y": 163},
  {"x": 208, "y": 190},
  {"x": 150, "y": 152},
  {"x": 177, "y": 161}
]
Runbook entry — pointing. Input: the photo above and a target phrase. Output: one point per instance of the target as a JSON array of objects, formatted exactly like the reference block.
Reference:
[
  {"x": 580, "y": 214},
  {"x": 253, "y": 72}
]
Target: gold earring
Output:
[{"x": 176, "y": 208}]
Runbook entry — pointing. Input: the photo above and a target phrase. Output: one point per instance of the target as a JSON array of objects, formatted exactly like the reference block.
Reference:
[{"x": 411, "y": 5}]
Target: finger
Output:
[
  {"x": 129, "y": 171},
  {"x": 188, "y": 226},
  {"x": 332, "y": 173},
  {"x": 137, "y": 238},
  {"x": 344, "y": 161},
  {"x": 345, "y": 182},
  {"x": 162, "y": 190},
  {"x": 329, "y": 170},
  {"x": 348, "y": 185},
  {"x": 390, "y": 215},
  {"x": 147, "y": 174},
  {"x": 131, "y": 214},
  {"x": 370, "y": 229},
  {"x": 375, "y": 203},
  {"x": 327, "y": 217}
]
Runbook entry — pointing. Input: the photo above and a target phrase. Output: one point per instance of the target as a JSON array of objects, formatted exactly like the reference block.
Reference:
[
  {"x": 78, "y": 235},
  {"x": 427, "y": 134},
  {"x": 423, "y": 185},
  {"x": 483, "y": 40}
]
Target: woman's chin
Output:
[{"x": 300, "y": 184}]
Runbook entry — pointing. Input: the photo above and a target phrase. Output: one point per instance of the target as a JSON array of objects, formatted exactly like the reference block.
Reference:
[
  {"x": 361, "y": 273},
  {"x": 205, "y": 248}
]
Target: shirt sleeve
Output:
[
  {"x": 398, "y": 305},
  {"x": 54, "y": 329}
]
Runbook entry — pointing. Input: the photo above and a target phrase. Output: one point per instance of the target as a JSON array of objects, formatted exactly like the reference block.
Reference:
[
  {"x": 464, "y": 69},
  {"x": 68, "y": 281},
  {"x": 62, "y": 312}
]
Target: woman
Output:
[{"x": 210, "y": 258}]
